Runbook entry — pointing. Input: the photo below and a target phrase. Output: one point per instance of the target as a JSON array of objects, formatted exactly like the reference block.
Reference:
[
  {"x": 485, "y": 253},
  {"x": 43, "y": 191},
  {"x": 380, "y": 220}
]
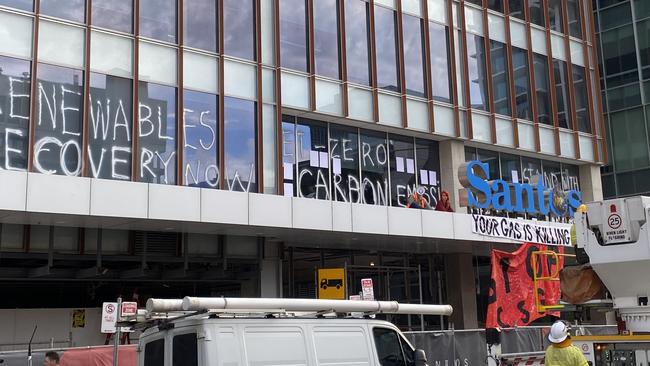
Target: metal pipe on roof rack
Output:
[{"x": 341, "y": 306}]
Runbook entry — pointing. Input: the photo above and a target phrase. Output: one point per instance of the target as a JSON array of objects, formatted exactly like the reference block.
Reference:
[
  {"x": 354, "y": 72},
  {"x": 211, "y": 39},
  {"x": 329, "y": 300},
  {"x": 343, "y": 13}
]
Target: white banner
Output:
[{"x": 547, "y": 233}]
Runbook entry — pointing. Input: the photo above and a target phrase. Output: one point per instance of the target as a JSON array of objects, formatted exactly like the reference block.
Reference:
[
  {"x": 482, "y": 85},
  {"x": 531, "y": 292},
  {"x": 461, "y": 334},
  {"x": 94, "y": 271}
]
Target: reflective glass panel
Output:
[
  {"x": 326, "y": 38},
  {"x": 27, "y": 5},
  {"x": 57, "y": 136},
  {"x": 555, "y": 15},
  {"x": 522, "y": 84},
  {"x": 74, "y": 10},
  {"x": 500, "y": 78},
  {"x": 413, "y": 55},
  {"x": 517, "y": 9},
  {"x": 157, "y": 133},
  {"x": 428, "y": 169},
  {"x": 374, "y": 168},
  {"x": 496, "y": 5},
  {"x": 201, "y": 140},
  {"x": 477, "y": 72},
  {"x": 562, "y": 93},
  {"x": 618, "y": 52},
  {"x": 239, "y": 28},
  {"x": 542, "y": 91},
  {"x": 293, "y": 34},
  {"x": 14, "y": 112},
  {"x": 629, "y": 140},
  {"x": 158, "y": 19},
  {"x": 531, "y": 170},
  {"x": 113, "y": 14},
  {"x": 200, "y": 24},
  {"x": 110, "y": 127},
  {"x": 439, "y": 44},
  {"x": 386, "y": 44},
  {"x": 344, "y": 147},
  {"x": 356, "y": 41},
  {"x": 510, "y": 168},
  {"x": 575, "y": 28},
  {"x": 537, "y": 13},
  {"x": 312, "y": 159},
  {"x": 402, "y": 170},
  {"x": 239, "y": 145},
  {"x": 580, "y": 91},
  {"x": 289, "y": 155}
]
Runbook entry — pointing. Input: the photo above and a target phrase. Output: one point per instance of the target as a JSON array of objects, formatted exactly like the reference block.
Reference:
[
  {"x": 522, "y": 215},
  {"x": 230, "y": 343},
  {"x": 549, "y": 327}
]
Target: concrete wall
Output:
[{"x": 54, "y": 326}]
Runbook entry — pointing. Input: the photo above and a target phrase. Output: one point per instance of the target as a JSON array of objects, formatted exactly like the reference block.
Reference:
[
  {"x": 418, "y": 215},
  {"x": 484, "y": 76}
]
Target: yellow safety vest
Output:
[{"x": 564, "y": 356}]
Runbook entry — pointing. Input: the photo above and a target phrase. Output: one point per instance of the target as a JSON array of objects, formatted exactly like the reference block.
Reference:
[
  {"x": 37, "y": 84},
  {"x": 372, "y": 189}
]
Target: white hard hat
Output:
[{"x": 559, "y": 332}]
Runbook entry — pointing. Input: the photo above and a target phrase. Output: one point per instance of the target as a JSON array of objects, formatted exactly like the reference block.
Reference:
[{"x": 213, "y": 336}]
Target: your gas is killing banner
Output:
[{"x": 511, "y": 297}]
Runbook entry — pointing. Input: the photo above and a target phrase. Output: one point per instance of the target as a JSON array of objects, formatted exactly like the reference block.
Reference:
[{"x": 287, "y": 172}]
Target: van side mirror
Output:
[{"x": 420, "y": 357}]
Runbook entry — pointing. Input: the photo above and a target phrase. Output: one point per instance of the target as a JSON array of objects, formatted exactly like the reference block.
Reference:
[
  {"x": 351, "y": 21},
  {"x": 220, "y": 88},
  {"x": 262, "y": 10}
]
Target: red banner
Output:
[{"x": 511, "y": 297}]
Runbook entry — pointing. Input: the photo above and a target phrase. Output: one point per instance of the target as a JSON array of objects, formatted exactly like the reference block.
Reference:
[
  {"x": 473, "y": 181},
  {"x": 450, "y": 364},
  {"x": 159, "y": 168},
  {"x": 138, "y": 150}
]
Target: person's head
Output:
[
  {"x": 51, "y": 359},
  {"x": 419, "y": 192},
  {"x": 559, "y": 332},
  {"x": 444, "y": 196}
]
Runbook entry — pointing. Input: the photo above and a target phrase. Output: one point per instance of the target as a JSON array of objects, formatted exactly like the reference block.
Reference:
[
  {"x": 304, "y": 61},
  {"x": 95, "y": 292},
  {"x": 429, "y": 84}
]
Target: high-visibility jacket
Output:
[{"x": 564, "y": 355}]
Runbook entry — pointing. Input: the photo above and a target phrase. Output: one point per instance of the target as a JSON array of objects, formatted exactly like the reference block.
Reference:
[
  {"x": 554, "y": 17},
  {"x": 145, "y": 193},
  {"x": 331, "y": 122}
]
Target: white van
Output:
[{"x": 277, "y": 338}]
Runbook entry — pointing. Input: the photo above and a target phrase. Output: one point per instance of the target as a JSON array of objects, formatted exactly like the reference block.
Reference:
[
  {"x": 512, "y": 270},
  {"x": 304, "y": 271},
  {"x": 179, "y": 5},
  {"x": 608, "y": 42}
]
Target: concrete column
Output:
[
  {"x": 452, "y": 155},
  {"x": 271, "y": 271},
  {"x": 461, "y": 290},
  {"x": 591, "y": 184}
]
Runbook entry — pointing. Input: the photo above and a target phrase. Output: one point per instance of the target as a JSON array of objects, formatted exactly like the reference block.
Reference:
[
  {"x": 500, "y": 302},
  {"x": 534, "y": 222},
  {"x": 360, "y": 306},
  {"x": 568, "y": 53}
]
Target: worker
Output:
[
  {"x": 417, "y": 200},
  {"x": 562, "y": 352},
  {"x": 51, "y": 359}
]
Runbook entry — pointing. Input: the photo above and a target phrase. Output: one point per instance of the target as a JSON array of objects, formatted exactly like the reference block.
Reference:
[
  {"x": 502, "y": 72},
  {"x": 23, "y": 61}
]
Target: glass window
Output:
[
  {"x": 428, "y": 168},
  {"x": 413, "y": 55},
  {"x": 517, "y": 9},
  {"x": 496, "y": 5},
  {"x": 326, "y": 38},
  {"x": 15, "y": 87},
  {"x": 184, "y": 350},
  {"x": 344, "y": 147},
  {"x": 111, "y": 54},
  {"x": 629, "y": 140},
  {"x": 439, "y": 48},
  {"x": 402, "y": 170},
  {"x": 477, "y": 72},
  {"x": 157, "y": 133},
  {"x": 580, "y": 90},
  {"x": 562, "y": 93},
  {"x": 386, "y": 44},
  {"x": 57, "y": 136},
  {"x": 110, "y": 127},
  {"x": 641, "y": 9},
  {"x": 492, "y": 158},
  {"x": 239, "y": 28},
  {"x": 374, "y": 168},
  {"x": 619, "y": 53},
  {"x": 158, "y": 19},
  {"x": 500, "y": 78},
  {"x": 570, "y": 177},
  {"x": 200, "y": 24},
  {"x": 154, "y": 353},
  {"x": 542, "y": 91},
  {"x": 555, "y": 15},
  {"x": 312, "y": 159},
  {"x": 27, "y": 5},
  {"x": 389, "y": 349},
  {"x": 476, "y": 2},
  {"x": 293, "y": 34},
  {"x": 510, "y": 168},
  {"x": 270, "y": 146},
  {"x": 531, "y": 170},
  {"x": 356, "y": 41},
  {"x": 522, "y": 84},
  {"x": 113, "y": 14},
  {"x": 575, "y": 27},
  {"x": 625, "y": 97},
  {"x": 239, "y": 145},
  {"x": 536, "y": 9},
  {"x": 289, "y": 155},
  {"x": 552, "y": 172},
  {"x": 74, "y": 10},
  {"x": 643, "y": 34},
  {"x": 201, "y": 140}
]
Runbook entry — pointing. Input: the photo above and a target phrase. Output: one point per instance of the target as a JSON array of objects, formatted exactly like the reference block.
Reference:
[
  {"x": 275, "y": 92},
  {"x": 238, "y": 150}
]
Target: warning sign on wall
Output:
[
  {"x": 331, "y": 283},
  {"x": 617, "y": 226}
]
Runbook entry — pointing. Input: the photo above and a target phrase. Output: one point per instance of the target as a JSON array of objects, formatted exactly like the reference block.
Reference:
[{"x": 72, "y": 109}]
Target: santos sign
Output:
[{"x": 499, "y": 194}]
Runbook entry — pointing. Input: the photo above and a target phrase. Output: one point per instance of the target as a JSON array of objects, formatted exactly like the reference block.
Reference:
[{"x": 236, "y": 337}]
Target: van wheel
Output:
[
  {"x": 324, "y": 287},
  {"x": 338, "y": 287}
]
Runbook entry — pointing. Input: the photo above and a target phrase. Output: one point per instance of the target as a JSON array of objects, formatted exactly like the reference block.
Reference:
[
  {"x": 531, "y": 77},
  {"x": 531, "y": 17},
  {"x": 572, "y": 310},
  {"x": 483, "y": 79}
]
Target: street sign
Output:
[
  {"x": 109, "y": 317},
  {"x": 129, "y": 308},
  {"x": 331, "y": 283},
  {"x": 367, "y": 289}
]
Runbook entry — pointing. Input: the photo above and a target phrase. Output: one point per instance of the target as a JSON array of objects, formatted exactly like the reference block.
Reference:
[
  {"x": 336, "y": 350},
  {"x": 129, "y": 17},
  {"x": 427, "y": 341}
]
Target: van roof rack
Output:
[{"x": 162, "y": 312}]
